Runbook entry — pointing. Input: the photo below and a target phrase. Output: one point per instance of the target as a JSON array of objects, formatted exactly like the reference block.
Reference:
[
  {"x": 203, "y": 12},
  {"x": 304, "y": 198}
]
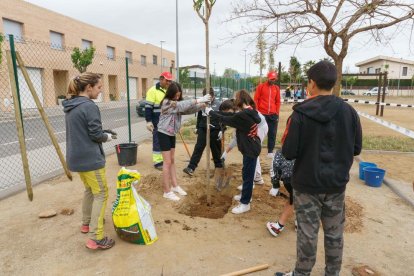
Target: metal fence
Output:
[{"x": 50, "y": 68}]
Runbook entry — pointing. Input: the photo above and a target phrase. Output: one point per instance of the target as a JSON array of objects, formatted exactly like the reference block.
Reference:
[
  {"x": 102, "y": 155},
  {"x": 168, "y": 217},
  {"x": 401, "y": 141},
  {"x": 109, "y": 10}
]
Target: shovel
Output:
[{"x": 223, "y": 175}]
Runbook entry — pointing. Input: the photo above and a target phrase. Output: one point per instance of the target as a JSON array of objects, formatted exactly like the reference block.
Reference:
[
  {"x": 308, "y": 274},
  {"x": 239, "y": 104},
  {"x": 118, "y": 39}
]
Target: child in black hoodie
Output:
[
  {"x": 324, "y": 134},
  {"x": 245, "y": 122}
]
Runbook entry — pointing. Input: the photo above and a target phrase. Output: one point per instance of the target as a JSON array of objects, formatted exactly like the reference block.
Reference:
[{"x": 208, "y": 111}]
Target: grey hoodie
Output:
[{"x": 84, "y": 135}]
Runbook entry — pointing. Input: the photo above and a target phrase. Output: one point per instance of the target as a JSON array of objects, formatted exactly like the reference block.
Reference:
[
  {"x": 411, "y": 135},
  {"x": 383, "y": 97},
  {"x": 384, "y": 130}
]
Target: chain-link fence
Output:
[{"x": 50, "y": 69}]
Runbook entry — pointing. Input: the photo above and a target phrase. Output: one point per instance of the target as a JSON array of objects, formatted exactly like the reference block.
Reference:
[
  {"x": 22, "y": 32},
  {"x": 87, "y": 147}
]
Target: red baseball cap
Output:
[
  {"x": 167, "y": 76},
  {"x": 272, "y": 75}
]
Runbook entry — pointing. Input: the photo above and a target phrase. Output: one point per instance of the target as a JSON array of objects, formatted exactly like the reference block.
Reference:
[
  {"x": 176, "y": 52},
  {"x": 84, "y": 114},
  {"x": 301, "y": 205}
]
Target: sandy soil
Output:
[{"x": 195, "y": 239}]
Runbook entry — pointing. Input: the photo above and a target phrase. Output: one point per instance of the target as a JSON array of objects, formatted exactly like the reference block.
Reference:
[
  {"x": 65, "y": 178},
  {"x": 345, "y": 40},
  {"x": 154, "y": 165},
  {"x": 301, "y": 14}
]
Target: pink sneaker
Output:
[{"x": 85, "y": 228}]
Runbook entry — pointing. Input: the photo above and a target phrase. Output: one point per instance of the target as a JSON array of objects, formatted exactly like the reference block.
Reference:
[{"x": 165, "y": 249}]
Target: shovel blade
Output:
[
  {"x": 219, "y": 176},
  {"x": 228, "y": 175}
]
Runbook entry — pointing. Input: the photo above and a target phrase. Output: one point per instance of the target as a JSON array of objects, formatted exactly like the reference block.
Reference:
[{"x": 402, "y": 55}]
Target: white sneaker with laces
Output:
[
  {"x": 240, "y": 187},
  {"x": 238, "y": 197},
  {"x": 241, "y": 208},
  {"x": 171, "y": 196},
  {"x": 260, "y": 182},
  {"x": 274, "y": 228},
  {"x": 274, "y": 192},
  {"x": 179, "y": 191}
]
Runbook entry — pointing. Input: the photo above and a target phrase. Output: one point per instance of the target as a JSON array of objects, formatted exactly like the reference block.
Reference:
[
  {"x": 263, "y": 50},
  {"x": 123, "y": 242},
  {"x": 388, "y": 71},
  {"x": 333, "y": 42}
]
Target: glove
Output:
[
  {"x": 207, "y": 110},
  {"x": 111, "y": 132},
  {"x": 195, "y": 131},
  {"x": 150, "y": 126},
  {"x": 108, "y": 137},
  {"x": 223, "y": 156},
  {"x": 205, "y": 99},
  {"x": 220, "y": 135}
]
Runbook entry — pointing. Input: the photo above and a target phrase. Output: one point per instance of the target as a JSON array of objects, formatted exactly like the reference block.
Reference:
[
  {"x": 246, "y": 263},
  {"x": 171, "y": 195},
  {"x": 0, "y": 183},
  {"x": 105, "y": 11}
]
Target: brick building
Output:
[{"x": 45, "y": 39}]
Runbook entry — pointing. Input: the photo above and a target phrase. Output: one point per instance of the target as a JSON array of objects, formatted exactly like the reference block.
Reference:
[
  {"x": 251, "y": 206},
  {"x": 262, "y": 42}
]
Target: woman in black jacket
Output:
[{"x": 245, "y": 122}]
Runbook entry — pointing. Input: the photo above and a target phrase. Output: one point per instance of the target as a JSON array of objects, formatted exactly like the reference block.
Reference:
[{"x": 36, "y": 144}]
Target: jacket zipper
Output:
[{"x": 270, "y": 93}]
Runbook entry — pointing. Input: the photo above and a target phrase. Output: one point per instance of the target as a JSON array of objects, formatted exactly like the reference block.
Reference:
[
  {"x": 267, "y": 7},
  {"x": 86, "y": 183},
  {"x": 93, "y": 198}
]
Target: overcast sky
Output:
[{"x": 149, "y": 21}]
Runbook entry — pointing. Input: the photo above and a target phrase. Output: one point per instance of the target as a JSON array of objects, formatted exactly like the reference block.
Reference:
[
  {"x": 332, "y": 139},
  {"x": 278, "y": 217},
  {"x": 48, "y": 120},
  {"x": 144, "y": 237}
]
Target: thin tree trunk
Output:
[
  {"x": 337, "y": 87},
  {"x": 208, "y": 117}
]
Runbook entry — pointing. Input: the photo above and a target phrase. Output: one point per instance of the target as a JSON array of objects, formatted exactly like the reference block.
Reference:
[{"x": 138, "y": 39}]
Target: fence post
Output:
[
  {"x": 16, "y": 76},
  {"x": 129, "y": 111},
  {"x": 379, "y": 94},
  {"x": 195, "y": 85},
  {"x": 221, "y": 93},
  {"x": 383, "y": 91}
]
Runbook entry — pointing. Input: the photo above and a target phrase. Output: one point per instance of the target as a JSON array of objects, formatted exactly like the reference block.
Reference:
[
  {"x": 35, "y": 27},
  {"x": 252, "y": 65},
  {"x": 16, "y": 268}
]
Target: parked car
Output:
[
  {"x": 140, "y": 108},
  {"x": 347, "y": 92},
  {"x": 373, "y": 92},
  {"x": 223, "y": 93}
]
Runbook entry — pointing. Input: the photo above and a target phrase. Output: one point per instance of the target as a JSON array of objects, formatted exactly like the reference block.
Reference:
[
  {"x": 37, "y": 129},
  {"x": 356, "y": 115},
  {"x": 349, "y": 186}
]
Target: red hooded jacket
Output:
[{"x": 267, "y": 98}]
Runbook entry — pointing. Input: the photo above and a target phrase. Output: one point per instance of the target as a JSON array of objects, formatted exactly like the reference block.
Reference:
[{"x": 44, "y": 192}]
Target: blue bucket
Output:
[
  {"x": 363, "y": 165},
  {"x": 374, "y": 176}
]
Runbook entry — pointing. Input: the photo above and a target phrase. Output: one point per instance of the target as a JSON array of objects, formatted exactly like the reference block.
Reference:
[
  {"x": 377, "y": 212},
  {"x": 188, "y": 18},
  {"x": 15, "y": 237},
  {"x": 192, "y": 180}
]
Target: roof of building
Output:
[
  {"x": 399, "y": 60},
  {"x": 193, "y": 67}
]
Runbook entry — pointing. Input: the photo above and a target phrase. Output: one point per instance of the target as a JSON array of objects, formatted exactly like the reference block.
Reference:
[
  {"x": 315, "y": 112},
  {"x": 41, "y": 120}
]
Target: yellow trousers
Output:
[{"x": 94, "y": 201}]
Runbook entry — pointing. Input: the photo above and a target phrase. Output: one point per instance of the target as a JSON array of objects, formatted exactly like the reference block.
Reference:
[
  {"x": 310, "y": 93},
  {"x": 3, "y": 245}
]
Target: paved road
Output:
[{"x": 37, "y": 136}]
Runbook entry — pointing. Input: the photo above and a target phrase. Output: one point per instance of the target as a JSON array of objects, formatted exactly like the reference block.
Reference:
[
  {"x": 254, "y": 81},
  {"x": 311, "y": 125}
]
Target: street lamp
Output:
[
  {"x": 245, "y": 77},
  {"x": 177, "y": 71},
  {"x": 161, "y": 41}
]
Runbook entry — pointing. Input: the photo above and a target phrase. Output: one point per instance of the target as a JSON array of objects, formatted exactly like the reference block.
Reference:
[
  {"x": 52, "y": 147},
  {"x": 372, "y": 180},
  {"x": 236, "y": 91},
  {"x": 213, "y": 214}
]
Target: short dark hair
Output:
[
  {"x": 173, "y": 89},
  {"x": 323, "y": 74},
  {"x": 226, "y": 105},
  {"x": 211, "y": 91}
]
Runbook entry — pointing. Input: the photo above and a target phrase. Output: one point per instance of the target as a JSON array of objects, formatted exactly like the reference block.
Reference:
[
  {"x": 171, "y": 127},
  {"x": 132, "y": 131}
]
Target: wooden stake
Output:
[
  {"x": 19, "y": 126},
  {"x": 208, "y": 161},
  {"x": 247, "y": 270},
  {"x": 43, "y": 115}
]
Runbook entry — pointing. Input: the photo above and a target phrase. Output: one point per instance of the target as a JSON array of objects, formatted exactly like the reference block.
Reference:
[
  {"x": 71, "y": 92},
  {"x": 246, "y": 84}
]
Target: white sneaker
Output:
[
  {"x": 171, "y": 196},
  {"x": 274, "y": 192},
  {"x": 260, "y": 182},
  {"x": 241, "y": 208},
  {"x": 179, "y": 190},
  {"x": 270, "y": 155},
  {"x": 240, "y": 187},
  {"x": 238, "y": 197}
]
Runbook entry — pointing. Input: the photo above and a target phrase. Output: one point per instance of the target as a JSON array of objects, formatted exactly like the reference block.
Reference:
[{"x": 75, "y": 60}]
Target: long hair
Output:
[
  {"x": 172, "y": 90},
  {"x": 243, "y": 97},
  {"x": 79, "y": 83}
]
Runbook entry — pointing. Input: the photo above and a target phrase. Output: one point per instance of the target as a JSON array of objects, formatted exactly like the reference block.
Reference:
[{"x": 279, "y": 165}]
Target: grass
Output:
[{"x": 403, "y": 144}]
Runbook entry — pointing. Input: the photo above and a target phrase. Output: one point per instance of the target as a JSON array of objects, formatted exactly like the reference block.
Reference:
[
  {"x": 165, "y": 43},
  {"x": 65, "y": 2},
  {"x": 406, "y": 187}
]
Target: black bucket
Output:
[{"x": 127, "y": 154}]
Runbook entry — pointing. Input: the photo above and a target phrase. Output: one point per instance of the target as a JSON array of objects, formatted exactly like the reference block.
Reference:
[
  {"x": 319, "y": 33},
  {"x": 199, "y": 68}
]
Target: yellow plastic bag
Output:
[{"x": 131, "y": 213}]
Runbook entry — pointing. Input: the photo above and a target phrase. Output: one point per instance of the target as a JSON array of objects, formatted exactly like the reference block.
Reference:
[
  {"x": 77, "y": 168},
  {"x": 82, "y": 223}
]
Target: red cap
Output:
[
  {"x": 167, "y": 76},
  {"x": 272, "y": 75}
]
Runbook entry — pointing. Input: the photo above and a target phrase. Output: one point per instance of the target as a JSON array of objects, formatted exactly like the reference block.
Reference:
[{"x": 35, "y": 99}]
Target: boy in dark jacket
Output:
[
  {"x": 324, "y": 134},
  {"x": 215, "y": 137}
]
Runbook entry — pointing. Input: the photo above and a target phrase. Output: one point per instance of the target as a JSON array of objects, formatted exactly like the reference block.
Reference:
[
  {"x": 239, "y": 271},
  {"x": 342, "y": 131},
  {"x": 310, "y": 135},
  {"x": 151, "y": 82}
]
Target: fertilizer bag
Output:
[{"x": 131, "y": 213}]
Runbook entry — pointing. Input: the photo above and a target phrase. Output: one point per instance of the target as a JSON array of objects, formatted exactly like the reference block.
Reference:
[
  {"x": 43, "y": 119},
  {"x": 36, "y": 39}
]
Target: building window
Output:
[
  {"x": 143, "y": 60},
  {"x": 172, "y": 63},
  {"x": 110, "y": 52},
  {"x": 14, "y": 28},
  {"x": 164, "y": 62},
  {"x": 370, "y": 70},
  {"x": 56, "y": 40},
  {"x": 405, "y": 71},
  {"x": 378, "y": 70},
  {"x": 154, "y": 59},
  {"x": 128, "y": 55},
  {"x": 86, "y": 44}
]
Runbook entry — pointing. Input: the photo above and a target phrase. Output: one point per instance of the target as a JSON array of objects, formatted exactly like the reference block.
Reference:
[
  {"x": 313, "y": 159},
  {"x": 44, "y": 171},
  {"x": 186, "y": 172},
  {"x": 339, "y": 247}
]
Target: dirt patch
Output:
[{"x": 354, "y": 213}]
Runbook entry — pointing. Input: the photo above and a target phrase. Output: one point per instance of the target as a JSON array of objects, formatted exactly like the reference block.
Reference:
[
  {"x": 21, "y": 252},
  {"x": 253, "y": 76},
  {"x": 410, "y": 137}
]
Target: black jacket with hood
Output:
[
  {"x": 84, "y": 135},
  {"x": 245, "y": 122},
  {"x": 323, "y": 135}
]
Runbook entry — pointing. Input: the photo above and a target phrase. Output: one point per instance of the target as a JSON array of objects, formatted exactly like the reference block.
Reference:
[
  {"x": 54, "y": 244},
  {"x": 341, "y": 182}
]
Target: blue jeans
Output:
[{"x": 249, "y": 167}]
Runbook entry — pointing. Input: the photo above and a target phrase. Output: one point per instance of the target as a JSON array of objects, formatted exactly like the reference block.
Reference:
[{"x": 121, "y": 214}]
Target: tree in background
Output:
[
  {"x": 271, "y": 59},
  {"x": 295, "y": 70},
  {"x": 82, "y": 59},
  {"x": 350, "y": 81},
  {"x": 306, "y": 66},
  {"x": 334, "y": 23},
  {"x": 230, "y": 73},
  {"x": 260, "y": 57},
  {"x": 184, "y": 76},
  {"x": 1, "y": 47}
]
